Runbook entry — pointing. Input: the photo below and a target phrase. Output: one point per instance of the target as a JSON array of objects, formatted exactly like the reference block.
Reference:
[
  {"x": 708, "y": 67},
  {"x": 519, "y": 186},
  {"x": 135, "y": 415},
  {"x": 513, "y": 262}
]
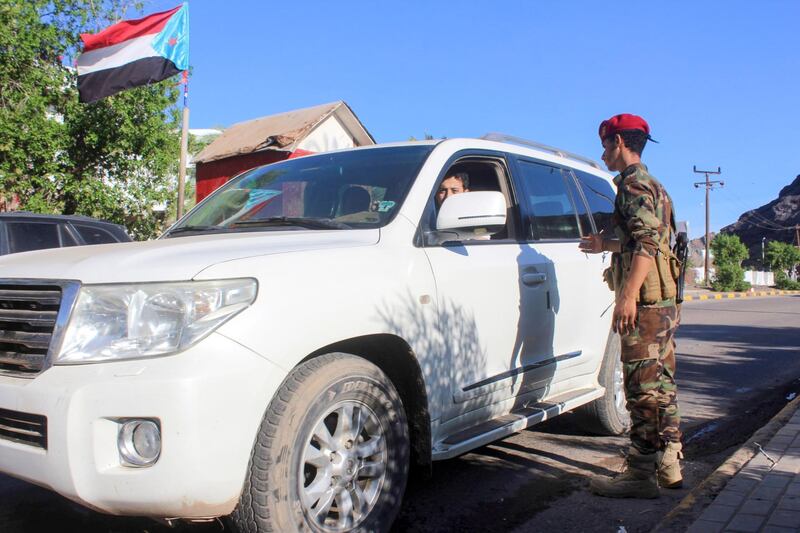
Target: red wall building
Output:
[{"x": 277, "y": 137}]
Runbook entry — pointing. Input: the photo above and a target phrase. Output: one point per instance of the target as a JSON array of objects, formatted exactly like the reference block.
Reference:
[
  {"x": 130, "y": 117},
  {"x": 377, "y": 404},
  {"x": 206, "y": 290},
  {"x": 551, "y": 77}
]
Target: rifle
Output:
[{"x": 681, "y": 253}]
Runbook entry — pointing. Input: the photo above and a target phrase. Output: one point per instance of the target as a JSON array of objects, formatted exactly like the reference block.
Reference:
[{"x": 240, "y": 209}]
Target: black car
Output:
[{"x": 21, "y": 231}]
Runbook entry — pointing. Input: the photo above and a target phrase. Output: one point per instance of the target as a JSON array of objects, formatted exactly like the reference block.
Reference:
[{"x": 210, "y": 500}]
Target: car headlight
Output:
[{"x": 130, "y": 321}]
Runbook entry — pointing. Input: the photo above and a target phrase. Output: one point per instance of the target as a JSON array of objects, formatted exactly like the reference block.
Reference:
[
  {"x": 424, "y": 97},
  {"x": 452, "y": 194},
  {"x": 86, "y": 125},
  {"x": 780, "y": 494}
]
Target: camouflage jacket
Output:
[
  {"x": 642, "y": 211},
  {"x": 643, "y": 224}
]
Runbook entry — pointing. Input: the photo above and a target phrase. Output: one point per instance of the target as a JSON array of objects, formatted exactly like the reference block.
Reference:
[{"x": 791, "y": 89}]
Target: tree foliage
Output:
[
  {"x": 729, "y": 252},
  {"x": 782, "y": 256},
  {"x": 783, "y": 259},
  {"x": 114, "y": 159},
  {"x": 784, "y": 282}
]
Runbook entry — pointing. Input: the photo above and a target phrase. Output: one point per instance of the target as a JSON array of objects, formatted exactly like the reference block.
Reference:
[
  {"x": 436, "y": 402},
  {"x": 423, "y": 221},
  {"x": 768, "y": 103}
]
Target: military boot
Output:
[
  {"x": 637, "y": 481},
  {"x": 669, "y": 466}
]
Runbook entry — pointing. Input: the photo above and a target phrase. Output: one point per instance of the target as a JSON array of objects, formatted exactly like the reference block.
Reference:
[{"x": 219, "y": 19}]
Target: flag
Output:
[{"x": 134, "y": 52}]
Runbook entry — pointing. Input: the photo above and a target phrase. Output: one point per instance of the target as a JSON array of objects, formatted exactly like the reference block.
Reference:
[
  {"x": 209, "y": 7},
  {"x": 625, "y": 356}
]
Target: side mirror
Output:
[{"x": 480, "y": 209}]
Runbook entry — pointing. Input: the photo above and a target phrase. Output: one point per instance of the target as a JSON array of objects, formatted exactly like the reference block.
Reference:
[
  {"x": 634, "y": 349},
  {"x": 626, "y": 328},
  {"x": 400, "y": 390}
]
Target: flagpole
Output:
[{"x": 184, "y": 144}]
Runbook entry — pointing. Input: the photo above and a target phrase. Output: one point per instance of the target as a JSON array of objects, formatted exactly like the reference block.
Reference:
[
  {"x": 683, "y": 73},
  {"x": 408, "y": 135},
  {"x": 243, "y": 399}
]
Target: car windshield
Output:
[{"x": 340, "y": 190}]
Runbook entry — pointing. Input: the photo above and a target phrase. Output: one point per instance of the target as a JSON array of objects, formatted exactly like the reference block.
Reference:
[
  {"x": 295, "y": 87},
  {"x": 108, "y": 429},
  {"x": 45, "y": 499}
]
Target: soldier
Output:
[{"x": 643, "y": 274}]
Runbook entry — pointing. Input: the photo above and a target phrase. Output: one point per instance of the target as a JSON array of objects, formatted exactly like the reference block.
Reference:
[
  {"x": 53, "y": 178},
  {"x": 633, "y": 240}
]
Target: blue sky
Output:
[{"x": 718, "y": 81}]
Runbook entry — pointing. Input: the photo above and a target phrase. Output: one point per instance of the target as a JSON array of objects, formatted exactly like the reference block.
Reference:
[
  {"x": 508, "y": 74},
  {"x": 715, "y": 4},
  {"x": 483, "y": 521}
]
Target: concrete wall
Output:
[{"x": 757, "y": 277}]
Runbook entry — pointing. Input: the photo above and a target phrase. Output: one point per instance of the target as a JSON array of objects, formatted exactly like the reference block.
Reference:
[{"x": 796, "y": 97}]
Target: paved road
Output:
[
  {"x": 751, "y": 344},
  {"x": 737, "y": 361}
]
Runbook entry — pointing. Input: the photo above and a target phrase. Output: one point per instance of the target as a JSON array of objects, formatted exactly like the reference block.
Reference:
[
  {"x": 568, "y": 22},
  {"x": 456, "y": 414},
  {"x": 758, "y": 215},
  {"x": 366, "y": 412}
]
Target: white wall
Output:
[
  {"x": 759, "y": 277},
  {"x": 698, "y": 273},
  {"x": 330, "y": 135}
]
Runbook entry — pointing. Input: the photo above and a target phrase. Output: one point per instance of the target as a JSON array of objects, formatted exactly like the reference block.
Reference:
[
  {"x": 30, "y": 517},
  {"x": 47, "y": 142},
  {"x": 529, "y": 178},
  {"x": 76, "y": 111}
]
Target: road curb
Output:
[
  {"x": 692, "y": 505},
  {"x": 732, "y": 295}
]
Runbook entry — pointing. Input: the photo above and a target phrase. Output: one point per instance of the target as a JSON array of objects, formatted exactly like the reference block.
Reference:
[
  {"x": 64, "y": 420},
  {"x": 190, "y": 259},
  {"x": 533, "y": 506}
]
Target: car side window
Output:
[
  {"x": 27, "y": 236},
  {"x": 93, "y": 235},
  {"x": 467, "y": 175},
  {"x": 67, "y": 238},
  {"x": 600, "y": 196},
  {"x": 552, "y": 213},
  {"x": 584, "y": 218}
]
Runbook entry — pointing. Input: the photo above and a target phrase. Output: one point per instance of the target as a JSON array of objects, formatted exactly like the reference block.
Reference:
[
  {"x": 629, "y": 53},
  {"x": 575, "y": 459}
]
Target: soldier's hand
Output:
[
  {"x": 592, "y": 243},
  {"x": 624, "y": 318}
]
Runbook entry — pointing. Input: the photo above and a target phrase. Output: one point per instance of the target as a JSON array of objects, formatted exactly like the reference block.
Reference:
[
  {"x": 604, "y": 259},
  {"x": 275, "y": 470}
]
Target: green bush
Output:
[
  {"x": 729, "y": 277},
  {"x": 729, "y": 252},
  {"x": 783, "y": 282},
  {"x": 783, "y": 257}
]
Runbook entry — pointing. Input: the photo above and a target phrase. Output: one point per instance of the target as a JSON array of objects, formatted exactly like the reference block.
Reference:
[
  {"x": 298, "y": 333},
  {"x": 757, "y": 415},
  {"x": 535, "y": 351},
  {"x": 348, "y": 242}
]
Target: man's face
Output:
[
  {"x": 449, "y": 187},
  {"x": 612, "y": 153}
]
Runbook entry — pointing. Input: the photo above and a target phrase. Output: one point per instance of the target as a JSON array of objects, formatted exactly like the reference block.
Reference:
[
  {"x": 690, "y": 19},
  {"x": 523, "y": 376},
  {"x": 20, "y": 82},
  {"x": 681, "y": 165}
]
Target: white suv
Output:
[{"x": 290, "y": 347}]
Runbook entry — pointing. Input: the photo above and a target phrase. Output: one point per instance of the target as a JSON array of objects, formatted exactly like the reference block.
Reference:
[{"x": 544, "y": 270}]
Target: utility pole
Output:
[
  {"x": 708, "y": 185},
  {"x": 184, "y": 145}
]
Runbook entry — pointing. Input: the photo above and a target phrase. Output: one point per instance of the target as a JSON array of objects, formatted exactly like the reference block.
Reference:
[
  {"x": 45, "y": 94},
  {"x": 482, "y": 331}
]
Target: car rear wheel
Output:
[
  {"x": 332, "y": 452},
  {"x": 607, "y": 415}
]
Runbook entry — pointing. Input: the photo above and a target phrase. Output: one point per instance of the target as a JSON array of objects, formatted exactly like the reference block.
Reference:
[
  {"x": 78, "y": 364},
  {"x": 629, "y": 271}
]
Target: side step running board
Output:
[{"x": 503, "y": 426}]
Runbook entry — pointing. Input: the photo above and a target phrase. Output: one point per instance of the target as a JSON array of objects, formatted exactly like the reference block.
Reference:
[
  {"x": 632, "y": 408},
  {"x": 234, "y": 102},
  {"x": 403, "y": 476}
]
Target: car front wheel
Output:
[{"x": 332, "y": 453}]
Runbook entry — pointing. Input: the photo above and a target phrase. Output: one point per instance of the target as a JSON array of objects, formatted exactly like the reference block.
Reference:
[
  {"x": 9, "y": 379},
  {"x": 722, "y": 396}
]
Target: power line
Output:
[
  {"x": 753, "y": 213},
  {"x": 750, "y": 213},
  {"x": 769, "y": 224},
  {"x": 770, "y": 228}
]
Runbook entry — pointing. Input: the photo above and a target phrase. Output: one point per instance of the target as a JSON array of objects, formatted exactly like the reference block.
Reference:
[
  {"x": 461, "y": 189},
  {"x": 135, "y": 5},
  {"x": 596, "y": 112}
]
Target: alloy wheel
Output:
[{"x": 343, "y": 467}]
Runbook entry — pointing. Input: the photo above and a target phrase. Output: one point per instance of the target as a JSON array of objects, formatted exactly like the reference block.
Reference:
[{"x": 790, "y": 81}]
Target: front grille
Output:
[
  {"x": 24, "y": 428},
  {"x": 28, "y": 316}
]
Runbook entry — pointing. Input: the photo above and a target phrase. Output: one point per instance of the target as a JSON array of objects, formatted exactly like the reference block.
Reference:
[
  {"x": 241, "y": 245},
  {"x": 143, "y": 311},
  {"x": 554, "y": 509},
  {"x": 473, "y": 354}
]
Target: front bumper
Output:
[{"x": 209, "y": 401}]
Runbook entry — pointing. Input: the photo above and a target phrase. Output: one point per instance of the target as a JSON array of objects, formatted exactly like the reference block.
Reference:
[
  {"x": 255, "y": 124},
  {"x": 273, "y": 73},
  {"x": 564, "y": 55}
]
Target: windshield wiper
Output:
[
  {"x": 311, "y": 223},
  {"x": 199, "y": 229}
]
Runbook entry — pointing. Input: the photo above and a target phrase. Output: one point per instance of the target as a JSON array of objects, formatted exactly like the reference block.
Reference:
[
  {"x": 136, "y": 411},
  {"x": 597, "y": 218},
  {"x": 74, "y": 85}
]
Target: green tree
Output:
[
  {"x": 196, "y": 145},
  {"x": 114, "y": 159},
  {"x": 783, "y": 259},
  {"x": 729, "y": 252},
  {"x": 782, "y": 256}
]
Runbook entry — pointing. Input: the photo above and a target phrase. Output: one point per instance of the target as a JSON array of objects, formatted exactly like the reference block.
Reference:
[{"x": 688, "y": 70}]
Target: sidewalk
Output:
[{"x": 764, "y": 496}]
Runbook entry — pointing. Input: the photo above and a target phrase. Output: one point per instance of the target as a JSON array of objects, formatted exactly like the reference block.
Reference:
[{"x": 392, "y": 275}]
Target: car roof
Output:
[{"x": 501, "y": 142}]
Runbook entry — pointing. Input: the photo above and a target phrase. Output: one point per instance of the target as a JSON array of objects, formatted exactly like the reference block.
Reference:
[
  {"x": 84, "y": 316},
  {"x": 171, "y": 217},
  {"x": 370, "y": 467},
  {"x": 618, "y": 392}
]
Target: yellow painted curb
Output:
[{"x": 734, "y": 295}]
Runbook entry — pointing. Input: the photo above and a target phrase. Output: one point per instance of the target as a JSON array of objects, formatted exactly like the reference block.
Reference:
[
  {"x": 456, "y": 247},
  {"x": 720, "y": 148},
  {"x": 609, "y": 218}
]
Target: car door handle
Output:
[{"x": 534, "y": 278}]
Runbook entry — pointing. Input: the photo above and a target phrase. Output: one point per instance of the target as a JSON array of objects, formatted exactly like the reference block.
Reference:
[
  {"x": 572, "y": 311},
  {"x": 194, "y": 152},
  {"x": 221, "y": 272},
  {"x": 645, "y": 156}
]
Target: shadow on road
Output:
[
  {"x": 503, "y": 485},
  {"x": 736, "y": 377},
  {"x": 739, "y": 350}
]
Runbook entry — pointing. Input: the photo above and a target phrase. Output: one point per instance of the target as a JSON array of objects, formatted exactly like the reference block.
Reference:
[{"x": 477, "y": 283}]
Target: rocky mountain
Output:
[
  {"x": 697, "y": 249},
  {"x": 776, "y": 221}
]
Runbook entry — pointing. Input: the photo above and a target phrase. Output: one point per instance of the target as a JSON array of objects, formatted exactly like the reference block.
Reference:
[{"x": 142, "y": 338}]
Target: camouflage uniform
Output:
[{"x": 642, "y": 216}]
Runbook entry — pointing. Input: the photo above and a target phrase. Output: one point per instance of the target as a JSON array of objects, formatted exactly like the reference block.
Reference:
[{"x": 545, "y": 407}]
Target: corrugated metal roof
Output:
[{"x": 277, "y": 132}]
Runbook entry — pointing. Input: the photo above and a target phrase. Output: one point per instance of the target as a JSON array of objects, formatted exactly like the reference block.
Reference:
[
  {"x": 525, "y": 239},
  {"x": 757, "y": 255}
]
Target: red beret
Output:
[{"x": 625, "y": 121}]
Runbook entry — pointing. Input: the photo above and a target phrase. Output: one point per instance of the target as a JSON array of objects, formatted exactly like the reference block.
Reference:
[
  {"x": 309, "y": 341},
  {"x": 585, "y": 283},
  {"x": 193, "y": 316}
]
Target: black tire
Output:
[
  {"x": 607, "y": 415},
  {"x": 316, "y": 393}
]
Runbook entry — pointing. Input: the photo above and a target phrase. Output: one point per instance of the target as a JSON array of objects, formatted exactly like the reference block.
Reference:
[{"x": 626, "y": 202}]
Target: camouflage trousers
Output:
[{"x": 648, "y": 357}]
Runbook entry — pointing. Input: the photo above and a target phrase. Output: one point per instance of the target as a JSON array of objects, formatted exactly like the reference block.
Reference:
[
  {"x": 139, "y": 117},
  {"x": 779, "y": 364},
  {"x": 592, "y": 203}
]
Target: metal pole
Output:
[
  {"x": 763, "y": 261},
  {"x": 708, "y": 232},
  {"x": 184, "y": 145},
  {"x": 708, "y": 185}
]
